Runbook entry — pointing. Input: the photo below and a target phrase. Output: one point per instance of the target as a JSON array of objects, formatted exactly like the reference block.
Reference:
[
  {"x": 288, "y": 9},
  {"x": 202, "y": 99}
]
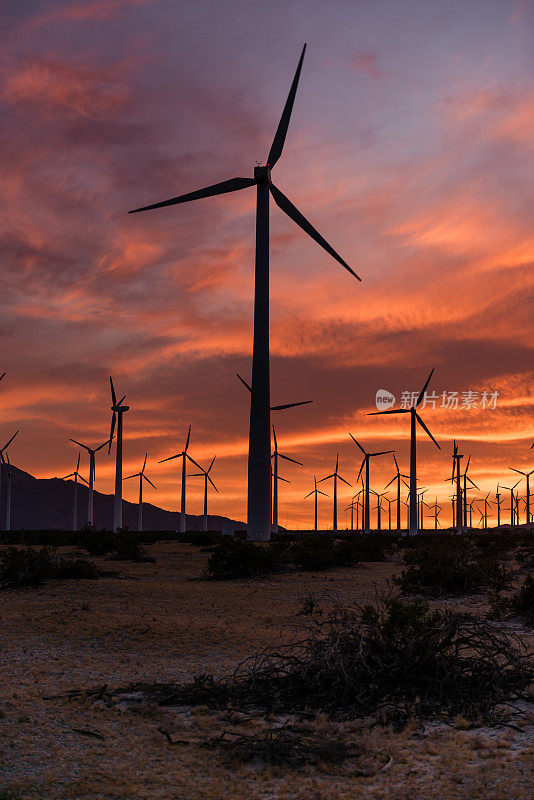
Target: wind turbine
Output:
[
  {"x": 437, "y": 511},
  {"x": 456, "y": 467},
  {"x": 141, "y": 475},
  {"x": 9, "y": 476},
  {"x": 116, "y": 419},
  {"x": 498, "y": 499},
  {"x": 414, "y": 416},
  {"x": 365, "y": 463},
  {"x": 184, "y": 455},
  {"x": 466, "y": 487},
  {"x": 275, "y": 456},
  {"x": 4, "y": 450},
  {"x": 259, "y": 456},
  {"x": 315, "y": 491},
  {"x": 91, "y": 452},
  {"x": 484, "y": 514},
  {"x": 512, "y": 504},
  {"x": 379, "y": 496},
  {"x": 397, "y": 478},
  {"x": 335, "y": 475},
  {"x": 205, "y": 473},
  {"x": 527, "y": 476},
  {"x": 75, "y": 475}
]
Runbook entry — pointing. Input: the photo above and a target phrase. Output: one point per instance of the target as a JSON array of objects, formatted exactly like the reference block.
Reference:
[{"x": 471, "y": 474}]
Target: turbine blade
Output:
[
  {"x": 288, "y": 208},
  {"x": 360, "y": 472},
  {"x": 108, "y": 441},
  {"x": 112, "y": 430},
  {"x": 423, "y": 390},
  {"x": 279, "y": 477},
  {"x": 344, "y": 481},
  {"x": 391, "y": 481},
  {"x": 113, "y": 395},
  {"x": 357, "y": 442},
  {"x": 81, "y": 445},
  {"x": 144, "y": 463},
  {"x": 187, "y": 440},
  {"x": 244, "y": 382},
  {"x": 396, "y": 465},
  {"x": 121, "y": 401},
  {"x": 381, "y": 453},
  {"x": 310, "y": 494},
  {"x": 323, "y": 493},
  {"x": 127, "y": 478},
  {"x": 290, "y": 459},
  {"x": 390, "y": 411},
  {"x": 280, "y": 136},
  {"x": 210, "y": 480},
  {"x": 275, "y": 442},
  {"x": 70, "y": 475},
  {"x": 7, "y": 445},
  {"x": 83, "y": 479},
  {"x": 326, "y": 479},
  {"x": 150, "y": 482},
  {"x": 291, "y": 405},
  {"x": 194, "y": 462},
  {"x": 78, "y": 464},
  {"x": 211, "y": 465},
  {"x": 231, "y": 185},
  {"x": 422, "y": 424},
  {"x": 170, "y": 458},
  {"x": 516, "y": 470}
]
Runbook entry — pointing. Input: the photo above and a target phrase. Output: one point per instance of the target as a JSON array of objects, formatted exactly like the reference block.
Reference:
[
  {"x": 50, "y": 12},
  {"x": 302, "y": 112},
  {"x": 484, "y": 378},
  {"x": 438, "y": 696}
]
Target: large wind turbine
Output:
[
  {"x": 275, "y": 456},
  {"x": 184, "y": 455},
  {"x": 116, "y": 419},
  {"x": 397, "y": 478},
  {"x": 456, "y": 456},
  {"x": 512, "y": 503},
  {"x": 527, "y": 476},
  {"x": 91, "y": 452},
  {"x": 259, "y": 455},
  {"x": 365, "y": 463},
  {"x": 141, "y": 475},
  {"x": 335, "y": 475},
  {"x": 205, "y": 473},
  {"x": 315, "y": 491},
  {"x": 75, "y": 475},
  {"x": 4, "y": 449},
  {"x": 414, "y": 416}
]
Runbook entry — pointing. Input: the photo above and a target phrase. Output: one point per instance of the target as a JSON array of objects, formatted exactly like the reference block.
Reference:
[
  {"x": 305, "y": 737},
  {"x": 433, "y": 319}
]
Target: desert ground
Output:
[{"x": 154, "y": 622}]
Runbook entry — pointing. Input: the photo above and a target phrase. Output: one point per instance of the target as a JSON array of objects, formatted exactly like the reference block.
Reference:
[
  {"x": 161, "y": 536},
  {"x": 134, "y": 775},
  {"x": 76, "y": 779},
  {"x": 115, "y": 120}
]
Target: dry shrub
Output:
[
  {"x": 451, "y": 566},
  {"x": 233, "y": 559},
  {"x": 394, "y": 660},
  {"x": 25, "y": 566}
]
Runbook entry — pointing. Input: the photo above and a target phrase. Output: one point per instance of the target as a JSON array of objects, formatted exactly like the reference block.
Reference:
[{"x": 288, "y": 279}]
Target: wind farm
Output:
[{"x": 212, "y": 588}]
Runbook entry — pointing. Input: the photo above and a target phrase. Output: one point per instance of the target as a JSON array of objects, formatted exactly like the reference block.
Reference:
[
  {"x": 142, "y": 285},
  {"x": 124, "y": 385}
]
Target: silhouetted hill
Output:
[{"x": 43, "y": 504}]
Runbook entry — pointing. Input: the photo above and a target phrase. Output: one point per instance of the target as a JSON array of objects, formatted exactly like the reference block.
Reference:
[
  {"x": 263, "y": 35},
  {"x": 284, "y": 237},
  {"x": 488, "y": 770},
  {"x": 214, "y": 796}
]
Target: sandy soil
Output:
[{"x": 153, "y": 623}]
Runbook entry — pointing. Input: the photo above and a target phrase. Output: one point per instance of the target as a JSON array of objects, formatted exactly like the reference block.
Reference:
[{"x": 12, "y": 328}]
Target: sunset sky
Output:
[{"x": 410, "y": 149}]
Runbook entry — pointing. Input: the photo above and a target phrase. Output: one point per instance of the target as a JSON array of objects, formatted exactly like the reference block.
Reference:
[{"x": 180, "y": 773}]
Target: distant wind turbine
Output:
[
  {"x": 512, "y": 503},
  {"x": 184, "y": 455},
  {"x": 414, "y": 416},
  {"x": 259, "y": 456},
  {"x": 275, "y": 456},
  {"x": 397, "y": 478},
  {"x": 116, "y": 419},
  {"x": 365, "y": 463},
  {"x": 4, "y": 450},
  {"x": 498, "y": 500},
  {"x": 141, "y": 475},
  {"x": 75, "y": 475},
  {"x": 335, "y": 475},
  {"x": 205, "y": 473},
  {"x": 91, "y": 451},
  {"x": 315, "y": 491},
  {"x": 459, "y": 497},
  {"x": 527, "y": 476}
]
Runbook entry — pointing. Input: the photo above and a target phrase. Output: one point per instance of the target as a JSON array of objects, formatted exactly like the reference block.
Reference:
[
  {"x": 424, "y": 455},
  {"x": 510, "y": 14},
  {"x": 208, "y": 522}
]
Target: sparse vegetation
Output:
[
  {"x": 26, "y": 566},
  {"x": 451, "y": 567},
  {"x": 392, "y": 659},
  {"x": 233, "y": 559}
]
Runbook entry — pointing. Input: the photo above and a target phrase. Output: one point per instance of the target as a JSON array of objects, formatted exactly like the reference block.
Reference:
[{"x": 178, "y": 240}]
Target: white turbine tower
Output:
[
  {"x": 205, "y": 473},
  {"x": 4, "y": 449},
  {"x": 91, "y": 451},
  {"x": 116, "y": 419},
  {"x": 75, "y": 475},
  {"x": 141, "y": 475},
  {"x": 184, "y": 455}
]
